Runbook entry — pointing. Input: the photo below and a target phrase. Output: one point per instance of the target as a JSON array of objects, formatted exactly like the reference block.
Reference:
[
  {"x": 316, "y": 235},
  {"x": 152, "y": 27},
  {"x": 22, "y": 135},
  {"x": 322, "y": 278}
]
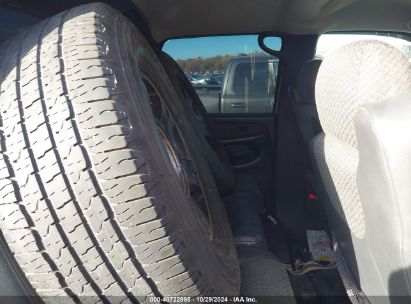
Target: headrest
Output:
[
  {"x": 356, "y": 74},
  {"x": 306, "y": 81}
]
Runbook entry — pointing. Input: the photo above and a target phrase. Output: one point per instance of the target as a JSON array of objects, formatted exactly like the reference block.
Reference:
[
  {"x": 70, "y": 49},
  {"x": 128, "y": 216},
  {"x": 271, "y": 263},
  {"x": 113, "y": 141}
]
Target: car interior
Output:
[{"x": 315, "y": 183}]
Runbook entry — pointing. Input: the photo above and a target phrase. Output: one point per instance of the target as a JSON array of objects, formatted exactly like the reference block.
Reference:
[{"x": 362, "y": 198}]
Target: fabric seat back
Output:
[{"x": 363, "y": 161}]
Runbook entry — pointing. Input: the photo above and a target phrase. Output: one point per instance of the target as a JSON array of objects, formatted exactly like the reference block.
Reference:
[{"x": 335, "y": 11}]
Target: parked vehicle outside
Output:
[
  {"x": 197, "y": 79},
  {"x": 215, "y": 79},
  {"x": 248, "y": 86}
]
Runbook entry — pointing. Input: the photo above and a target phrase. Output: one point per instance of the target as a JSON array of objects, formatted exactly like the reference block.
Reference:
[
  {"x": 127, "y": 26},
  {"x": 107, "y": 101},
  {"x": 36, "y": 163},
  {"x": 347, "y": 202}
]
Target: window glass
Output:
[
  {"x": 329, "y": 42},
  {"x": 231, "y": 74},
  {"x": 274, "y": 43}
]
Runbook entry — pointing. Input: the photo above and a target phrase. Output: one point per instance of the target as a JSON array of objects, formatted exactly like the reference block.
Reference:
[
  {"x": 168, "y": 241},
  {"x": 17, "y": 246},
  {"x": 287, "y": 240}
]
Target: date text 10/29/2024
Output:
[{"x": 203, "y": 300}]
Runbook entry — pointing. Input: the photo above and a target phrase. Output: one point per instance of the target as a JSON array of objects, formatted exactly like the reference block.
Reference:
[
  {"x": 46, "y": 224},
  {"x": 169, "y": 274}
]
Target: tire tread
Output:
[{"x": 73, "y": 202}]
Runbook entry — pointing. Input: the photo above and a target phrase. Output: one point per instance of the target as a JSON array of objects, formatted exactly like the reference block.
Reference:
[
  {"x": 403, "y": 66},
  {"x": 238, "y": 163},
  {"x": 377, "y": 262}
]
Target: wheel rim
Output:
[{"x": 179, "y": 155}]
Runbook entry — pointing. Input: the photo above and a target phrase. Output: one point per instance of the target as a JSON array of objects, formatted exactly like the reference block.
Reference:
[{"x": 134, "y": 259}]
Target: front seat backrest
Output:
[
  {"x": 360, "y": 89},
  {"x": 303, "y": 100}
]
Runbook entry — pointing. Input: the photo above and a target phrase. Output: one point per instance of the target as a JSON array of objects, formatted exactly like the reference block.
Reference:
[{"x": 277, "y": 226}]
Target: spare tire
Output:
[
  {"x": 103, "y": 191},
  {"x": 211, "y": 146}
]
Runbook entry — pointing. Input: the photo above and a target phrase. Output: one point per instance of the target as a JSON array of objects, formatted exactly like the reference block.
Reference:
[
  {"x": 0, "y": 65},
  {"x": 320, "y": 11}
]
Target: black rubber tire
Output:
[
  {"x": 212, "y": 147},
  {"x": 90, "y": 204}
]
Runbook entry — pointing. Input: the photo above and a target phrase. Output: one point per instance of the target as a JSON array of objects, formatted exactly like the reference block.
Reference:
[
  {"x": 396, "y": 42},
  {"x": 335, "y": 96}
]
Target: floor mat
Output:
[
  {"x": 265, "y": 278},
  {"x": 322, "y": 286}
]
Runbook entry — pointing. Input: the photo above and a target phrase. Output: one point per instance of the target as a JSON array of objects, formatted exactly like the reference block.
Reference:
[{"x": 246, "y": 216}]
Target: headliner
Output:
[{"x": 179, "y": 18}]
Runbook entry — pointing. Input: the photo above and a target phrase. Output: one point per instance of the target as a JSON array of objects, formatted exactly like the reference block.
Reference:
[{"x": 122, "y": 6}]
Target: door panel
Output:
[
  {"x": 245, "y": 152},
  {"x": 249, "y": 142}
]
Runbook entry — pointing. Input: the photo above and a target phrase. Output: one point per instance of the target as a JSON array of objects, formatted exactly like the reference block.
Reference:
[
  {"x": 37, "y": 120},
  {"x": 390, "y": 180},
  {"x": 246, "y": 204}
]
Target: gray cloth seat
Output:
[
  {"x": 363, "y": 163},
  {"x": 303, "y": 100}
]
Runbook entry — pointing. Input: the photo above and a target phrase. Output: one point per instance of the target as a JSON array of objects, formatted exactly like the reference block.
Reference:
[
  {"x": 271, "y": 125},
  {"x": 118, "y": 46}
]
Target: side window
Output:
[
  {"x": 328, "y": 42},
  {"x": 231, "y": 74}
]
